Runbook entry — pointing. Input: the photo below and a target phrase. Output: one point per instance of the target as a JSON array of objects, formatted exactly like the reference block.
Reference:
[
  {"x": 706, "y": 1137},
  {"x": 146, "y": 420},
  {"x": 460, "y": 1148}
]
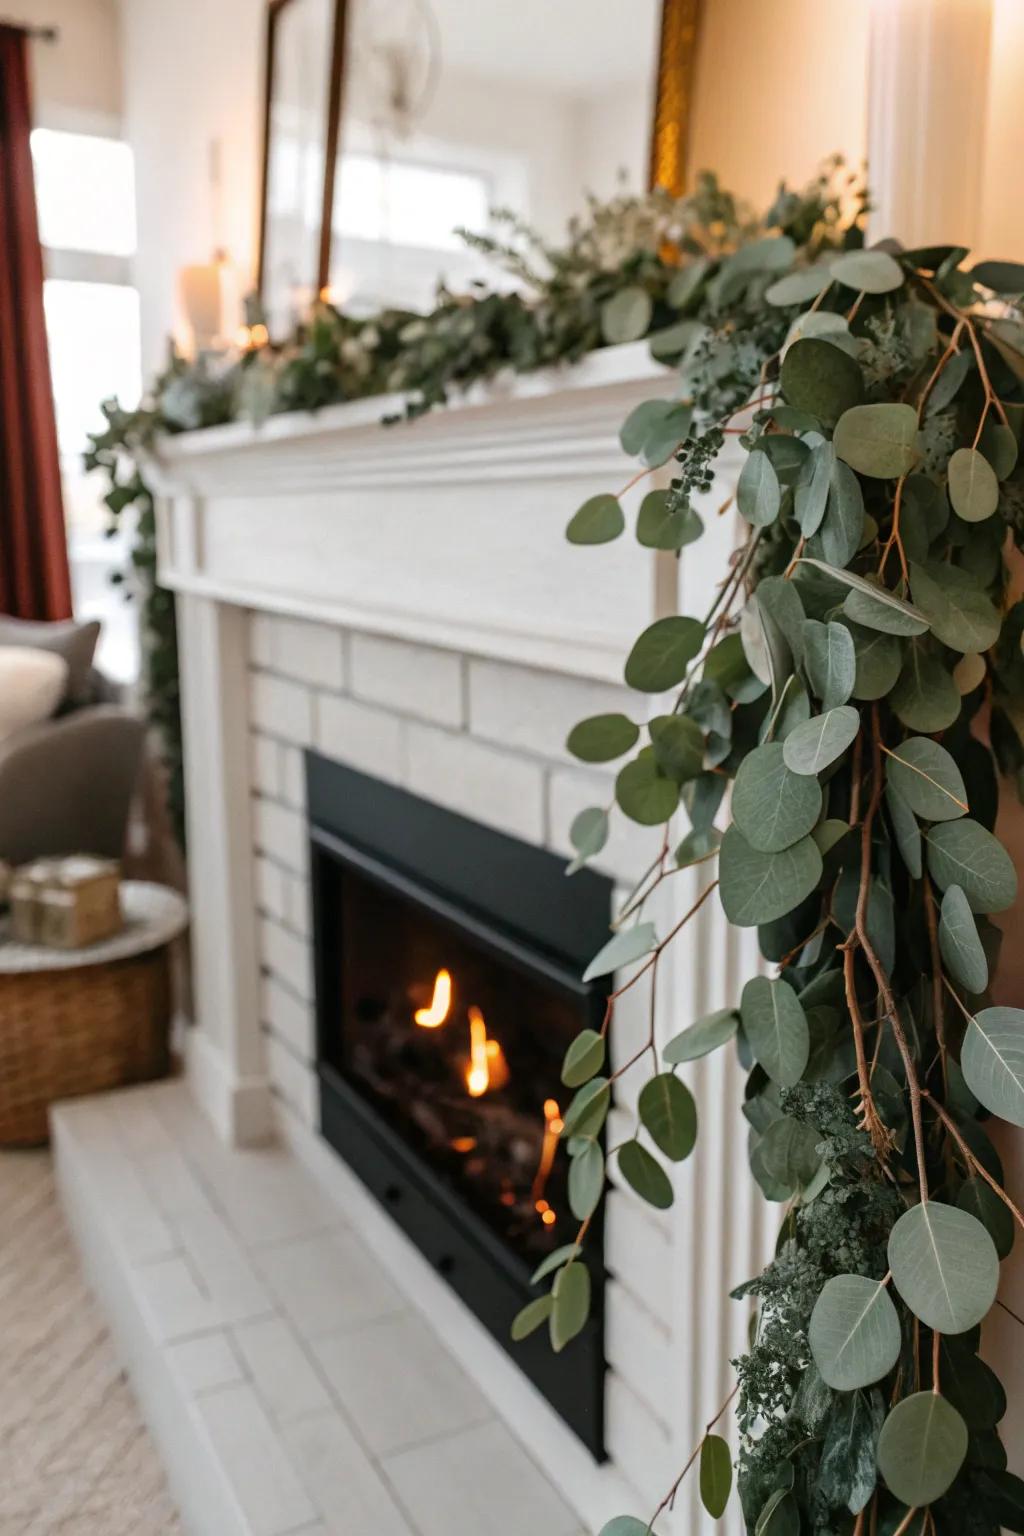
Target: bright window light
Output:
[
  {"x": 85, "y": 192},
  {"x": 402, "y": 203},
  {"x": 93, "y": 335}
]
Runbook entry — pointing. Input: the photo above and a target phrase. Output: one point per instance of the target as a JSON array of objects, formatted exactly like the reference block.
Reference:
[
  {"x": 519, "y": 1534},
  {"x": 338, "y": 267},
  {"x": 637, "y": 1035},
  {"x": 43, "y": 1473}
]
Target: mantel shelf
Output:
[{"x": 448, "y": 529}]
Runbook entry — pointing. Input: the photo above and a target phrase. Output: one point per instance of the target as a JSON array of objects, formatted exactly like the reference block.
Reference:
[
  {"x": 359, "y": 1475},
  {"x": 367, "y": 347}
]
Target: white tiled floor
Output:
[{"x": 324, "y": 1399}]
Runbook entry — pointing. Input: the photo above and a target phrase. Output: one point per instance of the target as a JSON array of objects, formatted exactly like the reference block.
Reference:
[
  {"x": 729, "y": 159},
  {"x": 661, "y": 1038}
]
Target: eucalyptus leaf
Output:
[
  {"x": 868, "y": 271},
  {"x": 944, "y": 1265},
  {"x": 530, "y": 1317},
  {"x": 584, "y": 1058},
  {"x": 570, "y": 1304},
  {"x": 879, "y": 660},
  {"x": 819, "y": 377},
  {"x": 602, "y": 737},
  {"x": 879, "y": 441},
  {"x": 959, "y": 612},
  {"x": 645, "y": 1175},
  {"x": 586, "y": 1181},
  {"x": 660, "y": 657},
  {"x": 1000, "y": 276},
  {"x": 645, "y": 793},
  {"x": 669, "y": 1114},
  {"x": 772, "y": 806},
  {"x": 925, "y": 697},
  {"x": 787, "y": 1154},
  {"x": 625, "y": 1525},
  {"x": 555, "y": 1260},
  {"x": 624, "y": 947},
  {"x": 820, "y": 741},
  {"x": 992, "y": 1061},
  {"x": 588, "y": 835},
  {"x": 653, "y": 430},
  {"x": 798, "y": 287},
  {"x": 598, "y": 521},
  {"x": 678, "y": 744},
  {"x": 963, "y": 853},
  {"x": 921, "y": 1448},
  {"x": 962, "y": 951},
  {"x": 854, "y": 1332},
  {"x": 626, "y": 315},
  {"x": 830, "y": 662},
  {"x": 981, "y": 1201},
  {"x": 810, "y": 494},
  {"x": 907, "y": 831},
  {"x": 588, "y": 1111},
  {"x": 973, "y": 487},
  {"x": 877, "y": 607},
  {"x": 758, "y": 887},
  {"x": 658, "y": 527},
  {"x": 758, "y": 493},
  {"x": 928, "y": 779},
  {"x": 843, "y": 525},
  {"x": 775, "y": 1024},
  {"x": 715, "y": 1475},
  {"x": 706, "y": 1035}
]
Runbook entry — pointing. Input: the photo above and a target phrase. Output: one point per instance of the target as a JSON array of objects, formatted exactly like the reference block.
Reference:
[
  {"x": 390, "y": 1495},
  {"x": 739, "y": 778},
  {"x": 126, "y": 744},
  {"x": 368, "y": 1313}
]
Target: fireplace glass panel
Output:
[{"x": 459, "y": 1049}]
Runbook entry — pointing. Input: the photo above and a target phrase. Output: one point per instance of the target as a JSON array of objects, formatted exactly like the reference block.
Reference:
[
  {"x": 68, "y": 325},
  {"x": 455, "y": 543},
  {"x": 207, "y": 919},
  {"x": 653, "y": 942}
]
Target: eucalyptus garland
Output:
[
  {"x": 858, "y": 683},
  {"x": 618, "y": 277}
]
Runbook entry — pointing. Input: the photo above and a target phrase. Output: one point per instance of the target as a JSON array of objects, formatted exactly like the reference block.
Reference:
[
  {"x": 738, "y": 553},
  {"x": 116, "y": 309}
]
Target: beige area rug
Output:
[{"x": 74, "y": 1455}]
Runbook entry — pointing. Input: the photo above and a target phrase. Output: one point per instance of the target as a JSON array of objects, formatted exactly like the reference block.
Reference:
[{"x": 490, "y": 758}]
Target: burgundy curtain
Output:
[{"x": 34, "y": 579}]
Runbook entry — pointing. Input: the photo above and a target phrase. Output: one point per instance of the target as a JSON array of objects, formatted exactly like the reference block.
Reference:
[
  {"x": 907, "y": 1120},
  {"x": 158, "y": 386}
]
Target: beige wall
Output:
[
  {"x": 76, "y": 80},
  {"x": 779, "y": 87},
  {"x": 1002, "y": 209},
  {"x": 192, "y": 78}
]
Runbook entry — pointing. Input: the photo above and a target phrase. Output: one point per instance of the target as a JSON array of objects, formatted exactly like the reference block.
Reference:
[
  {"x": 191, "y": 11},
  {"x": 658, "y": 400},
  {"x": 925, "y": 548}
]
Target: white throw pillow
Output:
[{"x": 32, "y": 684}]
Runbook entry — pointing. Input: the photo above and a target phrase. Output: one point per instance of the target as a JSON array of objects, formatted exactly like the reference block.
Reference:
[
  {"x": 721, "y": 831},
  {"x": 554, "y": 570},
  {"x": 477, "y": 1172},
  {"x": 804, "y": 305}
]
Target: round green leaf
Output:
[
  {"x": 584, "y": 1058},
  {"x": 678, "y": 744},
  {"x": 921, "y": 1448},
  {"x": 598, "y": 521},
  {"x": 868, "y": 271},
  {"x": 798, "y": 287},
  {"x": 928, "y": 779},
  {"x": 960, "y": 613},
  {"x": 645, "y": 793},
  {"x": 775, "y": 1026},
  {"x": 944, "y": 1265},
  {"x": 842, "y": 529},
  {"x": 667, "y": 1110},
  {"x": 992, "y": 1061},
  {"x": 586, "y": 1181},
  {"x": 663, "y": 652},
  {"x": 818, "y": 742},
  {"x": 810, "y": 494},
  {"x": 588, "y": 1110},
  {"x": 879, "y": 659},
  {"x": 970, "y": 1386},
  {"x": 821, "y": 378},
  {"x": 772, "y": 806},
  {"x": 973, "y": 487},
  {"x": 758, "y": 494},
  {"x": 759, "y": 887},
  {"x": 830, "y": 662},
  {"x": 622, "y": 948},
  {"x": 854, "y": 1332},
  {"x": 626, "y": 316},
  {"x": 980, "y": 1200},
  {"x": 530, "y": 1318},
  {"x": 1000, "y": 276},
  {"x": 555, "y": 1260},
  {"x": 879, "y": 441},
  {"x": 644, "y": 1174},
  {"x": 602, "y": 737},
  {"x": 969, "y": 673},
  {"x": 654, "y": 429},
  {"x": 963, "y": 853},
  {"x": 925, "y": 697},
  {"x": 570, "y": 1304},
  {"x": 715, "y": 1475},
  {"x": 785, "y": 1158},
  {"x": 999, "y": 446},
  {"x": 959, "y": 944},
  {"x": 713, "y": 1030},
  {"x": 658, "y": 527},
  {"x": 625, "y": 1525}
]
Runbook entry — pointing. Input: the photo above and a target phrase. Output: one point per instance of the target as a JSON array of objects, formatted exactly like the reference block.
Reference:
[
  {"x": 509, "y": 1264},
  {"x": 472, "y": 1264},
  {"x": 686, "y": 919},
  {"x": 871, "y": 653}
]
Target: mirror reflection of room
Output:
[{"x": 452, "y": 109}]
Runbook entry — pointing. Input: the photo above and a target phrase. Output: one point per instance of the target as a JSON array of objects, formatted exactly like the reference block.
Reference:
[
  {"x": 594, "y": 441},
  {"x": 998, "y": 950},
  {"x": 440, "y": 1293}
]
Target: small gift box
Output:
[{"x": 66, "y": 903}]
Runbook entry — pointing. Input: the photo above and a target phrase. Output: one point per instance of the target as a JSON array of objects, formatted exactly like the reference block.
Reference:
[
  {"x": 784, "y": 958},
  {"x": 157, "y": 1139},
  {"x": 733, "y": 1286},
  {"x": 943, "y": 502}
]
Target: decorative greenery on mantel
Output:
[
  {"x": 630, "y": 268},
  {"x": 858, "y": 682}
]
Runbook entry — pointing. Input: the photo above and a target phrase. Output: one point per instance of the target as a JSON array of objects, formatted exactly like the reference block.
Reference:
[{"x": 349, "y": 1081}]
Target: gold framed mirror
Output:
[{"x": 390, "y": 123}]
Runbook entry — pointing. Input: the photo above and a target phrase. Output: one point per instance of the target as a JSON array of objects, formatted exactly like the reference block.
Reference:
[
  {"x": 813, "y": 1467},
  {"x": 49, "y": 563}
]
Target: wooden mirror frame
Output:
[{"x": 670, "y": 126}]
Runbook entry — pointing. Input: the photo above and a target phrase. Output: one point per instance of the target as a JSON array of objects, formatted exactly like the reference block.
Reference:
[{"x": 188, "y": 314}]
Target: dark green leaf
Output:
[
  {"x": 667, "y": 1110},
  {"x": 715, "y": 1475},
  {"x": 759, "y": 887},
  {"x": 829, "y": 661},
  {"x": 817, "y": 743},
  {"x": 819, "y": 377},
  {"x": 660, "y": 657},
  {"x": 963, "y": 853},
  {"x": 775, "y": 1025},
  {"x": 645, "y": 793},
  {"x": 992, "y": 1061},
  {"x": 962, "y": 952},
  {"x": 659, "y": 528},
  {"x": 908, "y": 833},
  {"x": 959, "y": 612},
  {"x": 584, "y": 1058},
  {"x": 798, "y": 287},
  {"x": 981, "y": 1201},
  {"x": 588, "y": 835},
  {"x": 626, "y": 316},
  {"x": 598, "y": 521},
  {"x": 786, "y": 1158},
  {"x": 588, "y": 1110},
  {"x": 843, "y": 526},
  {"x": 879, "y": 441},
  {"x": 586, "y": 1181},
  {"x": 879, "y": 659},
  {"x": 973, "y": 487},
  {"x": 847, "y": 1473},
  {"x": 571, "y": 1304},
  {"x": 678, "y": 746},
  {"x": 554, "y": 1261},
  {"x": 644, "y": 1174},
  {"x": 602, "y": 737},
  {"x": 925, "y": 697},
  {"x": 875, "y": 605},
  {"x": 869, "y": 271},
  {"x": 854, "y": 1332},
  {"x": 758, "y": 494},
  {"x": 810, "y": 495},
  {"x": 772, "y": 806},
  {"x": 1000, "y": 276},
  {"x": 654, "y": 429}
]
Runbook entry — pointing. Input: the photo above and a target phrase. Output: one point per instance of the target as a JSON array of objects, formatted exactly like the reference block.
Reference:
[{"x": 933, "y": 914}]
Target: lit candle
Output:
[{"x": 928, "y": 91}]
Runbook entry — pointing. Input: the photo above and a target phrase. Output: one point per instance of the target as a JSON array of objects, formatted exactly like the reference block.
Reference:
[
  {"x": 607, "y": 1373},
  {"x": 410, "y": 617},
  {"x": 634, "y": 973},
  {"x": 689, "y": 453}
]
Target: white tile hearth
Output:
[{"x": 291, "y": 1387}]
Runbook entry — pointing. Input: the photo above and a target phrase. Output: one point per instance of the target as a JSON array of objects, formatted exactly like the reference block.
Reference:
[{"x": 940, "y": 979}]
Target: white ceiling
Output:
[{"x": 576, "y": 47}]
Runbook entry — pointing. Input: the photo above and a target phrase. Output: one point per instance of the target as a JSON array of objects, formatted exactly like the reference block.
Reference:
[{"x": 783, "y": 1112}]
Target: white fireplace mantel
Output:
[{"x": 447, "y": 529}]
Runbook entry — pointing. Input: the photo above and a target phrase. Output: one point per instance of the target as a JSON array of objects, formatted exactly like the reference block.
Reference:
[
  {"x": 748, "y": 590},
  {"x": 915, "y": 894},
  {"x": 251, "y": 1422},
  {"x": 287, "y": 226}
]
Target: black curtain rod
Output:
[{"x": 39, "y": 34}]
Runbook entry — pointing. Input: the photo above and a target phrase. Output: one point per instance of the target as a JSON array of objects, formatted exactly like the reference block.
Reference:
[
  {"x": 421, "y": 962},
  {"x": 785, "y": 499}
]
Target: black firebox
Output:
[{"x": 448, "y": 960}]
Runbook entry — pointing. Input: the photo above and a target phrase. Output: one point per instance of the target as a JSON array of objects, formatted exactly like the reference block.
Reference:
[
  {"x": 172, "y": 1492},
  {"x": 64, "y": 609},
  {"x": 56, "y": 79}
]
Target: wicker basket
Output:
[{"x": 69, "y": 1032}]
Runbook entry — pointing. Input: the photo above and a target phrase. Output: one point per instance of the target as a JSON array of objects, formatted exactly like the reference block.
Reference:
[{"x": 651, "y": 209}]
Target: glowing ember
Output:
[
  {"x": 487, "y": 1066},
  {"x": 552, "y": 1131},
  {"x": 434, "y": 1016},
  {"x": 463, "y": 1144}
]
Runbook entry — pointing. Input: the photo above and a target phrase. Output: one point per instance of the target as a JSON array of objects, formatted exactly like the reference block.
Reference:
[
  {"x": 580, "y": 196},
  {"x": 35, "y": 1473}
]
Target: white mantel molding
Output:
[{"x": 447, "y": 529}]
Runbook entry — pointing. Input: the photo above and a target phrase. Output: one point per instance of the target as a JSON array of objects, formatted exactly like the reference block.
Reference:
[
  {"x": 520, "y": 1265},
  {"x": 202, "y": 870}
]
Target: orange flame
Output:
[
  {"x": 434, "y": 1016},
  {"x": 552, "y": 1131},
  {"x": 487, "y": 1066}
]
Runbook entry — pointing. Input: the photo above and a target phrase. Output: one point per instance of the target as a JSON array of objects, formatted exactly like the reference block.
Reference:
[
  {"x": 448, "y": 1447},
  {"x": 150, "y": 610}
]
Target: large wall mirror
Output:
[{"x": 444, "y": 110}]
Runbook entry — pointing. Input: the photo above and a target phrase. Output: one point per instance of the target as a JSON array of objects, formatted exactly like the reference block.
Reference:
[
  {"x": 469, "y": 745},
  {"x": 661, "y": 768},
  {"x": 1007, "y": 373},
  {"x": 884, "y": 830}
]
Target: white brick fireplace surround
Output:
[{"x": 403, "y": 601}]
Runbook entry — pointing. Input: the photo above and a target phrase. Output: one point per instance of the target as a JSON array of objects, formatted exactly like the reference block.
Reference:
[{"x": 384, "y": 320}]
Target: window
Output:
[
  {"x": 85, "y": 197},
  {"x": 401, "y": 202}
]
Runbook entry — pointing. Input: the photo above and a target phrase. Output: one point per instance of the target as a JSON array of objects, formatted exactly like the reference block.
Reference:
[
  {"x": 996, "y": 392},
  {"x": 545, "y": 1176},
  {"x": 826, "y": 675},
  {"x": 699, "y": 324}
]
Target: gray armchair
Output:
[{"x": 66, "y": 785}]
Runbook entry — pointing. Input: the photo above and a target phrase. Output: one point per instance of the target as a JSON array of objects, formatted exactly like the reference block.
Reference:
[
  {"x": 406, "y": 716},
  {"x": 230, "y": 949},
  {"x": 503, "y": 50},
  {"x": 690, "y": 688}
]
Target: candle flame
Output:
[
  {"x": 440, "y": 1004},
  {"x": 487, "y": 1066}
]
